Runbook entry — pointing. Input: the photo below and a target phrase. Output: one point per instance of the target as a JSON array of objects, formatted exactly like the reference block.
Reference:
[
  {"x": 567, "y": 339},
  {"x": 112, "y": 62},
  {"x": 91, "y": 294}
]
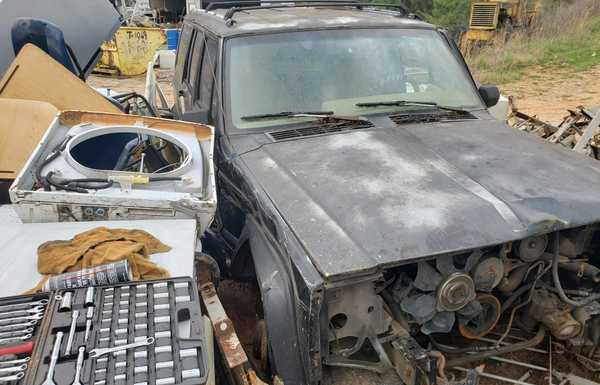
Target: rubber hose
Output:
[
  {"x": 38, "y": 171},
  {"x": 514, "y": 296},
  {"x": 89, "y": 180},
  {"x": 536, "y": 340},
  {"x": 60, "y": 186},
  {"x": 55, "y": 153},
  {"x": 454, "y": 350},
  {"x": 558, "y": 286},
  {"x": 87, "y": 186},
  {"x": 83, "y": 183}
]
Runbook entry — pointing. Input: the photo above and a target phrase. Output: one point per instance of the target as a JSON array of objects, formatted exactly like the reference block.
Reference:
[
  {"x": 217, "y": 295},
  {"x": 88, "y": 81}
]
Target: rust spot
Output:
[{"x": 230, "y": 344}]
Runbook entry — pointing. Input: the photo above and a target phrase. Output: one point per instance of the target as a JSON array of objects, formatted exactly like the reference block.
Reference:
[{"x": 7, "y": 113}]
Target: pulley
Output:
[
  {"x": 485, "y": 321},
  {"x": 455, "y": 292},
  {"x": 531, "y": 249}
]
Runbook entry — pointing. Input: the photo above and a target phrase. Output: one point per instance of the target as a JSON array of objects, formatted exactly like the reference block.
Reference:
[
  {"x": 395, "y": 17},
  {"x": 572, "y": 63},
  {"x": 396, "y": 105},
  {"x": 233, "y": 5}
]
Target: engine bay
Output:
[{"x": 434, "y": 320}]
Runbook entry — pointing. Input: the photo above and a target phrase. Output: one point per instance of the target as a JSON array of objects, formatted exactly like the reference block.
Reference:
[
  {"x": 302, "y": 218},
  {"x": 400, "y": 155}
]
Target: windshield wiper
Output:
[
  {"x": 289, "y": 114},
  {"x": 323, "y": 115},
  {"x": 410, "y": 103}
]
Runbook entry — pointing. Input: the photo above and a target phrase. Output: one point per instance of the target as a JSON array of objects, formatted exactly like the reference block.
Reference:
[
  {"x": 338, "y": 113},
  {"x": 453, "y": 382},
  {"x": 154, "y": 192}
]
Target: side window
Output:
[
  {"x": 183, "y": 52},
  {"x": 193, "y": 67},
  {"x": 207, "y": 74}
]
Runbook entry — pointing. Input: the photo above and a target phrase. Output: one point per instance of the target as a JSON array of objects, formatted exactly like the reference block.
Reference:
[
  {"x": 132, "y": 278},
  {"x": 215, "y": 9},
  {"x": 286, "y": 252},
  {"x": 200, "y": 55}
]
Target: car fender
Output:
[{"x": 276, "y": 287}]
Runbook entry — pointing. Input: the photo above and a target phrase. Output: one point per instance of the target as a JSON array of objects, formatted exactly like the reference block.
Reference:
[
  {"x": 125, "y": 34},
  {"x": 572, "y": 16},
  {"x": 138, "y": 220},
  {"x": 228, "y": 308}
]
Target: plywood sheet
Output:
[
  {"x": 34, "y": 75},
  {"x": 22, "y": 125}
]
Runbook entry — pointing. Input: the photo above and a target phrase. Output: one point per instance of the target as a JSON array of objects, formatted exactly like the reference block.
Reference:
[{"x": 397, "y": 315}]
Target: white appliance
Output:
[{"x": 97, "y": 167}]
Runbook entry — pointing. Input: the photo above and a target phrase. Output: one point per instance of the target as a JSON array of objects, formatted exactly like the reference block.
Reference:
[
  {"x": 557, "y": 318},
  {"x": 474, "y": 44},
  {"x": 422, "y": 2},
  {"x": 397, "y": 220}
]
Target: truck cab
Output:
[{"x": 368, "y": 192}]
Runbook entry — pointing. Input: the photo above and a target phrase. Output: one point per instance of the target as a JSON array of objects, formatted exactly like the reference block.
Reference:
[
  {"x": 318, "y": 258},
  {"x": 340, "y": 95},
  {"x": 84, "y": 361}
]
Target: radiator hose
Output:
[{"x": 465, "y": 360}]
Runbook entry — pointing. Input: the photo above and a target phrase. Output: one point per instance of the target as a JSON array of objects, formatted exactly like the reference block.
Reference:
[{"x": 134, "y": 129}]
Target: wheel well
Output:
[{"x": 242, "y": 264}]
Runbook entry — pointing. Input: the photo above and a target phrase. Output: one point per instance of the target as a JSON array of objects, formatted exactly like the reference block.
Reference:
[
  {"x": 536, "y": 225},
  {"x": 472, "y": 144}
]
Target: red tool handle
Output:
[{"x": 27, "y": 347}]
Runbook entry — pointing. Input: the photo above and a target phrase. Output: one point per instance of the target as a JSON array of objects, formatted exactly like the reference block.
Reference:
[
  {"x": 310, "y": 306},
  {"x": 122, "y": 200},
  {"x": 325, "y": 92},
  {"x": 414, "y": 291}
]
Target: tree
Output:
[
  {"x": 451, "y": 14},
  {"x": 420, "y": 7}
]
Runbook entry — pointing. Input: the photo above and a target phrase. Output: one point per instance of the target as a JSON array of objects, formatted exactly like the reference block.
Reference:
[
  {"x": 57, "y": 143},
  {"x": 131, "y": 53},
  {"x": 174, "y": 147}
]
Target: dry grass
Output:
[{"x": 565, "y": 36}]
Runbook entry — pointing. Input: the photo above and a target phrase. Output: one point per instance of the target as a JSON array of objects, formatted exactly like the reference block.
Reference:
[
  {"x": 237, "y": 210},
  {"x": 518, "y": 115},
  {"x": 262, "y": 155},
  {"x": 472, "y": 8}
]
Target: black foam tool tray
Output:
[{"x": 166, "y": 312}]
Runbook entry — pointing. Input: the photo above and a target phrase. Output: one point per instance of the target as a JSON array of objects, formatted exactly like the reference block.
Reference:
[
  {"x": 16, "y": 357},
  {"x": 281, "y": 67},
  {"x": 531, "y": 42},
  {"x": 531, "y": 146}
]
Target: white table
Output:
[{"x": 19, "y": 243}]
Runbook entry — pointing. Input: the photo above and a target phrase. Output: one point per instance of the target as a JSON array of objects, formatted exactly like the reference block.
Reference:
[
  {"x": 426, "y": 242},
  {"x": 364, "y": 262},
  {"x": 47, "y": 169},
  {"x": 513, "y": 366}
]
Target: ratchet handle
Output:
[{"x": 27, "y": 347}]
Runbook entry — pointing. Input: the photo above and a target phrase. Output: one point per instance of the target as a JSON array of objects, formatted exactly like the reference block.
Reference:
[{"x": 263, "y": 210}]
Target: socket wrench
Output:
[
  {"x": 165, "y": 381},
  {"x": 89, "y": 296},
  {"x": 88, "y": 323},
  {"x": 24, "y": 312},
  {"x": 14, "y": 340},
  {"x": 100, "y": 351},
  {"x": 12, "y": 369},
  {"x": 190, "y": 373},
  {"x": 16, "y": 377},
  {"x": 26, "y": 305},
  {"x": 74, "y": 317},
  {"x": 65, "y": 302},
  {"x": 55, "y": 351}
]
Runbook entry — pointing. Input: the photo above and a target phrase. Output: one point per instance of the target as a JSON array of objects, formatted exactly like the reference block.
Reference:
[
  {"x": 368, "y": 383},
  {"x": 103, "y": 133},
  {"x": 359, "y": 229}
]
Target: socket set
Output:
[
  {"x": 20, "y": 328},
  {"x": 136, "y": 333}
]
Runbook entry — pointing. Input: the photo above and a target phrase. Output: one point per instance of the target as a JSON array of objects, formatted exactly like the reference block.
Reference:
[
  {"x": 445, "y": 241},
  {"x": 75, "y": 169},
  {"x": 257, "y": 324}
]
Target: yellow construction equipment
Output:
[
  {"x": 130, "y": 50},
  {"x": 489, "y": 18}
]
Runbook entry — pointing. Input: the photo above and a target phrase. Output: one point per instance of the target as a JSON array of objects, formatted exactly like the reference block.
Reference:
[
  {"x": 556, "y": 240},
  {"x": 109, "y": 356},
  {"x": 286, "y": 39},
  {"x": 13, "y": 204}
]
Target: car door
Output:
[
  {"x": 182, "y": 63},
  {"x": 196, "y": 91},
  {"x": 189, "y": 73}
]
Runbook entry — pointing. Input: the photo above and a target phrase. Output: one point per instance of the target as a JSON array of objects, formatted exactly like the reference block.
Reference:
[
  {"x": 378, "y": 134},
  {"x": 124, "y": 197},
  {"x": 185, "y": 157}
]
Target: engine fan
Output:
[{"x": 442, "y": 293}]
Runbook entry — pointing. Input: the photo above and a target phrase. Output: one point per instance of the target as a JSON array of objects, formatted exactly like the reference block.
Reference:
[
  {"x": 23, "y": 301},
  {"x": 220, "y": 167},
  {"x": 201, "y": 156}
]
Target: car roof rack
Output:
[{"x": 275, "y": 4}]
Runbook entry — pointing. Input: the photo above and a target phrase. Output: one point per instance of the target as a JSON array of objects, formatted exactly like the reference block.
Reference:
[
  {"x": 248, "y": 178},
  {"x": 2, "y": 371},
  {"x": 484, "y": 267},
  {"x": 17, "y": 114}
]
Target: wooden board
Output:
[
  {"x": 72, "y": 118},
  {"x": 22, "y": 125},
  {"x": 34, "y": 75}
]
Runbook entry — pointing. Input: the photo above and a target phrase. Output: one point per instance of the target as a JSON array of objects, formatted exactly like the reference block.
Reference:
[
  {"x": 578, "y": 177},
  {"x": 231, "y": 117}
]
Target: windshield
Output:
[{"x": 334, "y": 70}]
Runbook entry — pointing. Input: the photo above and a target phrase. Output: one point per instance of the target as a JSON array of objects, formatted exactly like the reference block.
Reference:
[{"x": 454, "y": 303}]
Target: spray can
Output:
[{"x": 111, "y": 273}]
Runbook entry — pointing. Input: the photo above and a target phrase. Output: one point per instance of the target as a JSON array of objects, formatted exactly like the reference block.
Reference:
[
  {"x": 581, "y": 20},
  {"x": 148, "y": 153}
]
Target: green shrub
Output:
[{"x": 566, "y": 35}]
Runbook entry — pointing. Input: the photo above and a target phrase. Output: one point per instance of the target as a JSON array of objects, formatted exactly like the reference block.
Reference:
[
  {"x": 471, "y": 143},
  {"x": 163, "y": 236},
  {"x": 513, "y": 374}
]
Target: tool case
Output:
[
  {"x": 20, "y": 329},
  {"x": 162, "y": 316}
]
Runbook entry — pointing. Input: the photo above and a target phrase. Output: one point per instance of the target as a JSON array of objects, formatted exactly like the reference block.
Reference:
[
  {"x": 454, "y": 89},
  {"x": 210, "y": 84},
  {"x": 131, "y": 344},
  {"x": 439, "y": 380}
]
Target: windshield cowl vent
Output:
[
  {"x": 428, "y": 117},
  {"x": 321, "y": 129}
]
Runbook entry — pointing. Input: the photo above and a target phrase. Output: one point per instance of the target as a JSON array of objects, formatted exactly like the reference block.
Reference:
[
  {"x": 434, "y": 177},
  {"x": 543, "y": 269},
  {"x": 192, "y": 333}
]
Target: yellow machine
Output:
[
  {"x": 130, "y": 50},
  {"x": 489, "y": 17}
]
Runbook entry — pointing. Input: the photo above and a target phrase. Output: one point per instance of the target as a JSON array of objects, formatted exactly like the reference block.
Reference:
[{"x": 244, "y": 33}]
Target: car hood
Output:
[{"x": 366, "y": 199}]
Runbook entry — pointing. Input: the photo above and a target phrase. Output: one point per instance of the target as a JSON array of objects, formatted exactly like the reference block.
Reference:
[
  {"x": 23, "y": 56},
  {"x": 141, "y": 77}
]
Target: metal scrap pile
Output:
[{"x": 578, "y": 131}]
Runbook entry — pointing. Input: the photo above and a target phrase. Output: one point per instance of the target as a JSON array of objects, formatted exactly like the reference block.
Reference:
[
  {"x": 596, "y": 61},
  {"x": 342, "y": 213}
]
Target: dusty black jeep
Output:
[{"x": 387, "y": 218}]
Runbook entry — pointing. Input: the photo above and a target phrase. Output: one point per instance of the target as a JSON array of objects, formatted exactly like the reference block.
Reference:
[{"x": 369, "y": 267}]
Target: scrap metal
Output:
[
  {"x": 578, "y": 131},
  {"x": 235, "y": 359}
]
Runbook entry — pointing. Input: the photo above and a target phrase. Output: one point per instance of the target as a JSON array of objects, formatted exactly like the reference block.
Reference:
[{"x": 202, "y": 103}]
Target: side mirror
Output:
[{"x": 490, "y": 94}]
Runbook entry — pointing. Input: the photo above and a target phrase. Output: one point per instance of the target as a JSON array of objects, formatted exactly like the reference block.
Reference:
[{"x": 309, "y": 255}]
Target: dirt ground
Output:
[
  {"x": 137, "y": 83},
  {"x": 548, "y": 94}
]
